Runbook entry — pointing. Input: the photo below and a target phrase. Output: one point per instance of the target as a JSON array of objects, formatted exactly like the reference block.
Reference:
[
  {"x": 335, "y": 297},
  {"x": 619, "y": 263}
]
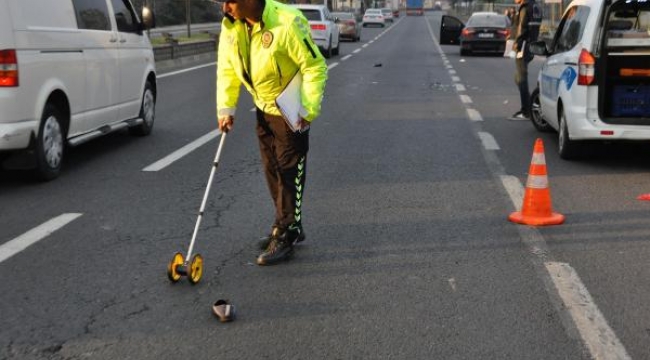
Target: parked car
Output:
[
  {"x": 484, "y": 32},
  {"x": 324, "y": 29},
  {"x": 70, "y": 71},
  {"x": 373, "y": 17},
  {"x": 396, "y": 13},
  {"x": 388, "y": 14},
  {"x": 595, "y": 81},
  {"x": 349, "y": 27}
]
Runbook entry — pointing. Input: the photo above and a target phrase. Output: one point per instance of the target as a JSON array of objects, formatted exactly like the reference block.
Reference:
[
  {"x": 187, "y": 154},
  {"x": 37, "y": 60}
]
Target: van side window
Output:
[
  {"x": 125, "y": 17},
  {"x": 571, "y": 29},
  {"x": 92, "y": 14}
]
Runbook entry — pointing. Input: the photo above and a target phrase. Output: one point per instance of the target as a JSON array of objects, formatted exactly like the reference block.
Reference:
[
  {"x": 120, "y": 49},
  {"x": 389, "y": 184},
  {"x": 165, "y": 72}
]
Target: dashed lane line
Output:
[
  {"x": 167, "y": 160},
  {"x": 474, "y": 115},
  {"x": 34, "y": 235},
  {"x": 488, "y": 141},
  {"x": 466, "y": 99},
  {"x": 346, "y": 57}
]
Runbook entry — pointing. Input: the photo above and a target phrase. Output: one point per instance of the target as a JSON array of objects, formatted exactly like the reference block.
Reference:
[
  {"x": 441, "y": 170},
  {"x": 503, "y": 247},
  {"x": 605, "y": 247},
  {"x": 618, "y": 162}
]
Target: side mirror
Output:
[
  {"x": 539, "y": 48},
  {"x": 148, "y": 18}
]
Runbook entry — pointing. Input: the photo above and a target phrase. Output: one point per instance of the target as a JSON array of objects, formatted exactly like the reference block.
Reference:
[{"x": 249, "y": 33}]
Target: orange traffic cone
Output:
[{"x": 536, "y": 209}]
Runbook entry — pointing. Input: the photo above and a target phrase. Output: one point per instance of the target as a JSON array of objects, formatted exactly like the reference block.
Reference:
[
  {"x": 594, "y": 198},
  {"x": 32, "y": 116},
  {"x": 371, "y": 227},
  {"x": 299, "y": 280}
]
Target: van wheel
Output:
[
  {"x": 147, "y": 112},
  {"x": 568, "y": 149},
  {"x": 49, "y": 144},
  {"x": 536, "y": 113}
]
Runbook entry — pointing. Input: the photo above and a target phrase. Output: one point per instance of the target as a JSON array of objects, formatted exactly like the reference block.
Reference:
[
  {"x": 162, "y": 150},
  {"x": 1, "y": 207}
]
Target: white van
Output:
[
  {"x": 70, "y": 71},
  {"x": 595, "y": 82}
]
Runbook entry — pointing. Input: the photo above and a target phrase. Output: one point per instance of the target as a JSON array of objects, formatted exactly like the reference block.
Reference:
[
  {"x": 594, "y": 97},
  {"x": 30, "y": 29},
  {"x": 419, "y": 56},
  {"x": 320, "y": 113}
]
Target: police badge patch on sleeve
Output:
[{"x": 301, "y": 26}]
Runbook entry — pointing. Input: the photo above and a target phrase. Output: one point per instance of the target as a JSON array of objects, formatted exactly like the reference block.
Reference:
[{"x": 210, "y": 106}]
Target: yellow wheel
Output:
[
  {"x": 195, "y": 270},
  {"x": 172, "y": 268}
]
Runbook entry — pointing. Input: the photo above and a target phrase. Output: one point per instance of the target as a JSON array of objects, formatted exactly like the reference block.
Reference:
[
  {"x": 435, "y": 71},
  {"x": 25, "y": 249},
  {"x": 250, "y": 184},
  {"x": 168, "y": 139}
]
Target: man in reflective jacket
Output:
[{"x": 262, "y": 45}]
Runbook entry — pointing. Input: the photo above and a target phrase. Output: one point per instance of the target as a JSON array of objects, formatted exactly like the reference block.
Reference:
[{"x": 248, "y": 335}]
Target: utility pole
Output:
[{"x": 188, "y": 17}]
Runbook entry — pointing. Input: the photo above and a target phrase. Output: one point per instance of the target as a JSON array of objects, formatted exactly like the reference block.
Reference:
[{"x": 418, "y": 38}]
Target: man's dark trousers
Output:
[
  {"x": 284, "y": 156},
  {"x": 521, "y": 79}
]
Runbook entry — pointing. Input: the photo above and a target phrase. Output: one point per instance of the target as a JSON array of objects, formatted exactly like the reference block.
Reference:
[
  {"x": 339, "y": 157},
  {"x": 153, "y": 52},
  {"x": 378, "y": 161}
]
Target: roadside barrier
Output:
[{"x": 536, "y": 209}]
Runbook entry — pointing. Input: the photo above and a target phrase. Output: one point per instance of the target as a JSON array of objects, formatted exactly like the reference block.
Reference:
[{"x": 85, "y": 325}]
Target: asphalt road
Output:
[{"x": 409, "y": 254}]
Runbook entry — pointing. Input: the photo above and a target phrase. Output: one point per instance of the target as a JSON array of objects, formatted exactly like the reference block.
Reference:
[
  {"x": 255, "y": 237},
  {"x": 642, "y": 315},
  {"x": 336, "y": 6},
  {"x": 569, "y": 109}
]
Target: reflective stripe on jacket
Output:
[{"x": 278, "y": 47}]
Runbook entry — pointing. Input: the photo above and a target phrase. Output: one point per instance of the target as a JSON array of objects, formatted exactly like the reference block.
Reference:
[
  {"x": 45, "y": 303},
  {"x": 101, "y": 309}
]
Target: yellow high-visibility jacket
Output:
[{"x": 278, "y": 47}]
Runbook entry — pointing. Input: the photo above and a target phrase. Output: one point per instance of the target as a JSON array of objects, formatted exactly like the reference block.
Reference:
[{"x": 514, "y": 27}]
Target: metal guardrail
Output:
[{"x": 175, "y": 51}]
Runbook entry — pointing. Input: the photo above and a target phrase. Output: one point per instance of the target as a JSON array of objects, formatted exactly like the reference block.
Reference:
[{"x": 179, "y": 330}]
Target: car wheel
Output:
[
  {"x": 567, "y": 148},
  {"x": 49, "y": 144},
  {"x": 536, "y": 113},
  {"x": 328, "y": 52},
  {"x": 464, "y": 52},
  {"x": 147, "y": 112}
]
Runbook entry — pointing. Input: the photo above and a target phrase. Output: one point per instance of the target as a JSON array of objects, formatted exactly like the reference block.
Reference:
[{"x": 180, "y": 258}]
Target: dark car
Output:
[
  {"x": 349, "y": 27},
  {"x": 484, "y": 32}
]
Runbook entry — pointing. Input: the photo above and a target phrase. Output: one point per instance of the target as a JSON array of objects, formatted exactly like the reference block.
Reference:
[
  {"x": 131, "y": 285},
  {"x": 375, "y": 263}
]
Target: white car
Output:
[
  {"x": 324, "y": 28},
  {"x": 595, "y": 82},
  {"x": 71, "y": 70},
  {"x": 388, "y": 14},
  {"x": 374, "y": 17}
]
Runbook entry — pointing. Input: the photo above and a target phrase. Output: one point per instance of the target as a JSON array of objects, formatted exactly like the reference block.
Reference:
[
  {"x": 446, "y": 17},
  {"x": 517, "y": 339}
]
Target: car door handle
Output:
[
  {"x": 122, "y": 40},
  {"x": 113, "y": 39},
  {"x": 570, "y": 63}
]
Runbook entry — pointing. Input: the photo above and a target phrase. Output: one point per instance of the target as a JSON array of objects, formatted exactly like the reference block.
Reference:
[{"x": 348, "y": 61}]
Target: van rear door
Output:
[
  {"x": 6, "y": 27},
  {"x": 625, "y": 69}
]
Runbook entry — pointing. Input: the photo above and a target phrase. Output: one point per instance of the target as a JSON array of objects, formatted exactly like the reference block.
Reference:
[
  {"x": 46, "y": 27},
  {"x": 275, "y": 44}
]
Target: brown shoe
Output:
[{"x": 224, "y": 311}]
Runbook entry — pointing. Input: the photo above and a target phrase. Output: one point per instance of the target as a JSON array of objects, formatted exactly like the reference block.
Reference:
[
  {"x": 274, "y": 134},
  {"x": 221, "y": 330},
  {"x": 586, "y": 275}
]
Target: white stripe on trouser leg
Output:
[{"x": 298, "y": 182}]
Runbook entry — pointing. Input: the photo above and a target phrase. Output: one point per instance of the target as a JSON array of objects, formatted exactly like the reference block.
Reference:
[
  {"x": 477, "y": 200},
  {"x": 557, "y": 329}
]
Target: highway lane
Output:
[
  {"x": 604, "y": 238},
  {"x": 408, "y": 252}
]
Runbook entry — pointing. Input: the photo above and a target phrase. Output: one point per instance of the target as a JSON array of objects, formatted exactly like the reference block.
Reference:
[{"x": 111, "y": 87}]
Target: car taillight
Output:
[
  {"x": 505, "y": 33},
  {"x": 350, "y": 22},
  {"x": 467, "y": 32},
  {"x": 8, "y": 68},
  {"x": 318, "y": 27},
  {"x": 586, "y": 68}
]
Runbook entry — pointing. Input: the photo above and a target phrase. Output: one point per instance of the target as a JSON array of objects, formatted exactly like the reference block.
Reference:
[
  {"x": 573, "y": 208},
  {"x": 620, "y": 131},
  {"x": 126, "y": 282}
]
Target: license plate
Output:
[{"x": 486, "y": 35}]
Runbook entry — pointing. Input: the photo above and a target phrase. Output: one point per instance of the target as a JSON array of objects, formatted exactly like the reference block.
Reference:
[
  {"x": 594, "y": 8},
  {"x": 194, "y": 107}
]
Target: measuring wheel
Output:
[
  {"x": 195, "y": 270},
  {"x": 173, "y": 267}
]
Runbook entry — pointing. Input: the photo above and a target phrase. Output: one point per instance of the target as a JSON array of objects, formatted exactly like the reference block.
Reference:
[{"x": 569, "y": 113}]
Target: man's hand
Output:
[
  {"x": 304, "y": 125},
  {"x": 226, "y": 122}
]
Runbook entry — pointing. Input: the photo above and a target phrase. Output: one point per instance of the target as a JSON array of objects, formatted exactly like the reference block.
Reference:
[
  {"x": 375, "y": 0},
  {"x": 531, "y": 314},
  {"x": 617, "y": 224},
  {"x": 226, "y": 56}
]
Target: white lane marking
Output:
[
  {"x": 346, "y": 57},
  {"x": 371, "y": 41},
  {"x": 449, "y": 66},
  {"x": 465, "y": 99},
  {"x": 514, "y": 189},
  {"x": 489, "y": 143},
  {"x": 452, "y": 283},
  {"x": 185, "y": 70},
  {"x": 364, "y": 45},
  {"x": 167, "y": 160},
  {"x": 592, "y": 325},
  {"x": 474, "y": 115},
  {"x": 452, "y": 72},
  {"x": 356, "y": 51},
  {"x": 34, "y": 235},
  {"x": 460, "y": 87},
  {"x": 455, "y": 79},
  {"x": 332, "y": 65},
  {"x": 253, "y": 109}
]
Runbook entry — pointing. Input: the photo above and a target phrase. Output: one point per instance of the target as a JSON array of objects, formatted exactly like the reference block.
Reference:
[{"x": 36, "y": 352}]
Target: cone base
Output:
[{"x": 553, "y": 219}]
